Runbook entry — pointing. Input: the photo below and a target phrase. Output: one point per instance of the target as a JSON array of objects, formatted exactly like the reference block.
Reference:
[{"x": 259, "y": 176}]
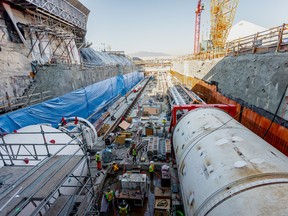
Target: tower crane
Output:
[
  {"x": 222, "y": 13},
  {"x": 197, "y": 27}
]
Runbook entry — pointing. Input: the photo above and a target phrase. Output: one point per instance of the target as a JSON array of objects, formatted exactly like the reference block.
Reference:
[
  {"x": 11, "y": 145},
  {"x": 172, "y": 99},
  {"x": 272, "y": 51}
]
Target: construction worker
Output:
[
  {"x": 164, "y": 123},
  {"x": 115, "y": 168},
  {"x": 123, "y": 208},
  {"x": 98, "y": 160},
  {"x": 134, "y": 154},
  {"x": 109, "y": 195},
  {"x": 151, "y": 169}
]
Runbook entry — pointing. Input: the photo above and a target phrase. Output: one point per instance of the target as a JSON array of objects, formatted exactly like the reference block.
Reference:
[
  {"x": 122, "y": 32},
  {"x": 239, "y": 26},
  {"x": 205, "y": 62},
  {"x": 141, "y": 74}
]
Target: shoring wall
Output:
[{"x": 277, "y": 135}]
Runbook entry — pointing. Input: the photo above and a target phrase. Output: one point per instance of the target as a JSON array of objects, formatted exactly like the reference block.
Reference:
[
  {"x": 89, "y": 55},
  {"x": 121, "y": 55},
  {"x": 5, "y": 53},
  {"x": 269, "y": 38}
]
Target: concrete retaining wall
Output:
[
  {"x": 61, "y": 79},
  {"x": 253, "y": 80}
]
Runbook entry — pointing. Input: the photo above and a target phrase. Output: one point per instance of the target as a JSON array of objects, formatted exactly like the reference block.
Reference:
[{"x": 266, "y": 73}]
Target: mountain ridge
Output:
[{"x": 147, "y": 54}]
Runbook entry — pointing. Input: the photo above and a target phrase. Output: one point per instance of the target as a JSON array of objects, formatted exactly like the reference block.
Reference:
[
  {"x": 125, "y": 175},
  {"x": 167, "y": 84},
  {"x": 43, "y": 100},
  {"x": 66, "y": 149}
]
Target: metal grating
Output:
[{"x": 58, "y": 8}]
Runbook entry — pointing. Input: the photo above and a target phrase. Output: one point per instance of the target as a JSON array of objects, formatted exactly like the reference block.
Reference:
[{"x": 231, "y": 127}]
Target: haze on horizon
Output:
[{"x": 165, "y": 26}]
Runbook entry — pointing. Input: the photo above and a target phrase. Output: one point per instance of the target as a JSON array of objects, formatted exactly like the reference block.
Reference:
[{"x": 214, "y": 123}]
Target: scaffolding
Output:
[
  {"x": 51, "y": 183},
  {"x": 59, "y": 9}
]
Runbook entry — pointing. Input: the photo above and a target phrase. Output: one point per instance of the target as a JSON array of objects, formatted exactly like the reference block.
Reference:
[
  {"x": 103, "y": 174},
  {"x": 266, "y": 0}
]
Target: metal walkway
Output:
[
  {"x": 60, "y": 9},
  {"x": 37, "y": 185}
]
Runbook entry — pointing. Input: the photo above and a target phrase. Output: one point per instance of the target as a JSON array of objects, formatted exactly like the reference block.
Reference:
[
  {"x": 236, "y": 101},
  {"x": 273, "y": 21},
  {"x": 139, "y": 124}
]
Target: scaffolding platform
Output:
[
  {"x": 59, "y": 207},
  {"x": 37, "y": 184}
]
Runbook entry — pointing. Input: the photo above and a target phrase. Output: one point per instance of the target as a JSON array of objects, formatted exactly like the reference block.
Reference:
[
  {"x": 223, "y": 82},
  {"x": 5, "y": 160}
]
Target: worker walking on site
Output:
[
  {"x": 164, "y": 124},
  {"x": 109, "y": 196},
  {"x": 151, "y": 170},
  {"x": 134, "y": 154},
  {"x": 123, "y": 208},
  {"x": 115, "y": 168},
  {"x": 98, "y": 160}
]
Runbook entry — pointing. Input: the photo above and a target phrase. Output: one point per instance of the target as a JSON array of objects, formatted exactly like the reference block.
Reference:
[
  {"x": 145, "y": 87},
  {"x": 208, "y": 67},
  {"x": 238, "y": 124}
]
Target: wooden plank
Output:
[
  {"x": 163, "y": 192},
  {"x": 84, "y": 200},
  {"x": 26, "y": 182},
  {"x": 59, "y": 177},
  {"x": 33, "y": 184},
  {"x": 58, "y": 205},
  {"x": 38, "y": 185},
  {"x": 124, "y": 125}
]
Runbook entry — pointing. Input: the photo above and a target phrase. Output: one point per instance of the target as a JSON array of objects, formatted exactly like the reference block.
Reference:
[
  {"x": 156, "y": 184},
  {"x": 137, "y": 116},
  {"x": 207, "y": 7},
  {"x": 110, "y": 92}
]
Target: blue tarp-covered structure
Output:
[{"x": 82, "y": 102}]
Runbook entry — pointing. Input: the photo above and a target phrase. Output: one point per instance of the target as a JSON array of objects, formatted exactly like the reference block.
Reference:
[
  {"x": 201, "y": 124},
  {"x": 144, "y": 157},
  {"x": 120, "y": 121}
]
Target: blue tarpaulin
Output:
[{"x": 82, "y": 102}]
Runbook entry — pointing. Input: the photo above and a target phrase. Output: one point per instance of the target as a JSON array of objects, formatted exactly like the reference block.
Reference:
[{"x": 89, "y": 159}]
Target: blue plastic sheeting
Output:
[{"x": 82, "y": 102}]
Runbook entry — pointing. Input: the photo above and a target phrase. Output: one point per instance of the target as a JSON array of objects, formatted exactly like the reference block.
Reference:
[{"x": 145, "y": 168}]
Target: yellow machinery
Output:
[{"x": 222, "y": 15}]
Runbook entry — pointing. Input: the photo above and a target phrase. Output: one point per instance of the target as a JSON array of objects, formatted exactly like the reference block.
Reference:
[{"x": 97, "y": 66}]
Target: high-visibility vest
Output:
[
  {"x": 123, "y": 209},
  {"x": 151, "y": 168},
  {"x": 115, "y": 167},
  {"x": 109, "y": 195},
  {"x": 134, "y": 152},
  {"x": 97, "y": 157}
]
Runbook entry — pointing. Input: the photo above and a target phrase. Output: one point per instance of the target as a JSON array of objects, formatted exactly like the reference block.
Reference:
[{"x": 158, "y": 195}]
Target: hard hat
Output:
[
  {"x": 151, "y": 162},
  {"x": 123, "y": 203},
  {"x": 98, "y": 152}
]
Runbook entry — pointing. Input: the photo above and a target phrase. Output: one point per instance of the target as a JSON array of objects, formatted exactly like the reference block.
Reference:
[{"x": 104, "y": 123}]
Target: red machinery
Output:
[{"x": 229, "y": 108}]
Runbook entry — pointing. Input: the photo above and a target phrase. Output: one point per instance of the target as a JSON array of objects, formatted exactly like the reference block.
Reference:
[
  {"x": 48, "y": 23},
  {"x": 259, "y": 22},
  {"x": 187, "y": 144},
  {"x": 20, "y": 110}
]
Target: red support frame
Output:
[{"x": 229, "y": 108}]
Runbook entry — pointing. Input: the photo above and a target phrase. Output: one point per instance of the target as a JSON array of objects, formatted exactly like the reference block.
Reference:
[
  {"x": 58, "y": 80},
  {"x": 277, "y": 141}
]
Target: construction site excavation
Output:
[{"x": 102, "y": 133}]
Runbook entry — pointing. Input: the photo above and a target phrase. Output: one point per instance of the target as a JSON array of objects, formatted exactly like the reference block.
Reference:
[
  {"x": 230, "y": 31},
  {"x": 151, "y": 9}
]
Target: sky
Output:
[{"x": 165, "y": 26}]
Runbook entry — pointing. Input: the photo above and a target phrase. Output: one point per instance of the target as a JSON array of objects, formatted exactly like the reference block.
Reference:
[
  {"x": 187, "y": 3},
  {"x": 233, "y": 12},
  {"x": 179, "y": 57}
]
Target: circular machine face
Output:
[{"x": 41, "y": 141}]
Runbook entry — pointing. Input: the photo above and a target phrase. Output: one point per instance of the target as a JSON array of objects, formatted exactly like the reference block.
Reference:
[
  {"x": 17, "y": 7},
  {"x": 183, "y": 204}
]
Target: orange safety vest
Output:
[{"x": 115, "y": 167}]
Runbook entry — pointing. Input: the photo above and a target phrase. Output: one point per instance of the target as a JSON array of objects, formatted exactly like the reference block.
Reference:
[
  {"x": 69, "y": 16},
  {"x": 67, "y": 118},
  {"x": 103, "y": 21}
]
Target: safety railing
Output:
[
  {"x": 37, "y": 150},
  {"x": 11, "y": 152},
  {"x": 271, "y": 40},
  {"x": 10, "y": 103}
]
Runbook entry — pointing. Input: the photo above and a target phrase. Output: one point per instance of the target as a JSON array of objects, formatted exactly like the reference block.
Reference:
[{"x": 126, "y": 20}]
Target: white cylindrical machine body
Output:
[{"x": 225, "y": 169}]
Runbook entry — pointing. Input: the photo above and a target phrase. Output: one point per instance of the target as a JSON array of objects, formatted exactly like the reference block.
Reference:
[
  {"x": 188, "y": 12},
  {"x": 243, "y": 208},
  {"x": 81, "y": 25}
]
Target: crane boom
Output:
[{"x": 222, "y": 15}]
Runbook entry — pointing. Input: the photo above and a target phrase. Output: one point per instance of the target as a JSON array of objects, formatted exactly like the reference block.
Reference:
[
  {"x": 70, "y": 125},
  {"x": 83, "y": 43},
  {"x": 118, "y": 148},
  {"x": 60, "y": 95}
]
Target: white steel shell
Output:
[
  {"x": 29, "y": 142},
  {"x": 225, "y": 169}
]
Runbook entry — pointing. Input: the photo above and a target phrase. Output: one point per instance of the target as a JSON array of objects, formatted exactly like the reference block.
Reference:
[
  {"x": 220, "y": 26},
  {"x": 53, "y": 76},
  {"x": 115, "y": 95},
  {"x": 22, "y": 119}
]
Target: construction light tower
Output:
[
  {"x": 222, "y": 15},
  {"x": 197, "y": 27}
]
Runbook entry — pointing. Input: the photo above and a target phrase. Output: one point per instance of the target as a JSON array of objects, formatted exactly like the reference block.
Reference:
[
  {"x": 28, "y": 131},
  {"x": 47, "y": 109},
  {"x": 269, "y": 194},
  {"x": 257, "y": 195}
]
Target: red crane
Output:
[{"x": 197, "y": 27}]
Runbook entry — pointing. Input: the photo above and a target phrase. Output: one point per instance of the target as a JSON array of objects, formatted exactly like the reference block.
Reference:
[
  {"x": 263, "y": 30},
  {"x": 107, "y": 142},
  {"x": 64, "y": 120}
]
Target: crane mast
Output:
[
  {"x": 222, "y": 14},
  {"x": 197, "y": 27}
]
